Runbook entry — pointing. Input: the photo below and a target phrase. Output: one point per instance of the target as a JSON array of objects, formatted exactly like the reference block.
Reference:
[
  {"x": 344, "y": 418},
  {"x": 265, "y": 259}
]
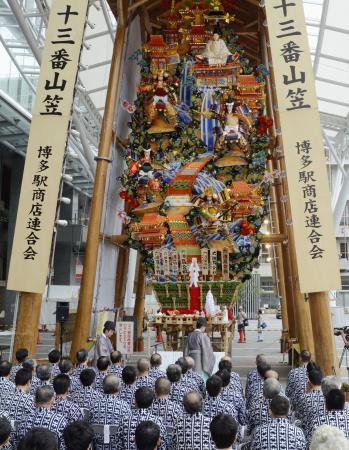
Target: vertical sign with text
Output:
[
  {"x": 124, "y": 337},
  {"x": 317, "y": 258},
  {"x": 47, "y": 142}
]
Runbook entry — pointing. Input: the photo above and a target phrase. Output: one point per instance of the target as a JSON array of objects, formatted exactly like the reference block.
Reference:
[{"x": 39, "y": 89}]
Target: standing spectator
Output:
[
  {"x": 147, "y": 435},
  {"x": 257, "y": 387},
  {"x": 21, "y": 356},
  {"x": 78, "y": 436},
  {"x": 62, "y": 405},
  {"x": 260, "y": 321},
  {"x": 253, "y": 377},
  {"x": 235, "y": 382},
  {"x": 54, "y": 357},
  {"x": 191, "y": 374},
  {"x": 192, "y": 430},
  {"x": 103, "y": 345},
  {"x": 223, "y": 431},
  {"x": 200, "y": 349},
  {"x": 241, "y": 318},
  {"x": 297, "y": 378},
  {"x": 233, "y": 396}
]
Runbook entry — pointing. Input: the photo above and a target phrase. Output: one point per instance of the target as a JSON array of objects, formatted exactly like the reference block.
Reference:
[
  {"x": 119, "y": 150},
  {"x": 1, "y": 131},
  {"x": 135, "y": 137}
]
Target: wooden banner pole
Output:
[
  {"x": 83, "y": 319},
  {"x": 301, "y": 307},
  {"x": 140, "y": 299}
]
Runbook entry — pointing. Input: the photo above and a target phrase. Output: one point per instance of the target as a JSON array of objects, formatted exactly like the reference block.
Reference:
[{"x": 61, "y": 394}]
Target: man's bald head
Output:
[
  {"x": 190, "y": 361},
  {"x": 192, "y": 403},
  {"x": 271, "y": 374},
  {"x": 162, "y": 387},
  {"x": 143, "y": 366},
  {"x": 271, "y": 388}
]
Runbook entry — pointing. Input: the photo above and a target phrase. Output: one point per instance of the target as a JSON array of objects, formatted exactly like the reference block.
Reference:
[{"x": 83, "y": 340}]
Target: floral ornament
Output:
[
  {"x": 123, "y": 216},
  {"x": 127, "y": 106},
  {"x": 263, "y": 124}
]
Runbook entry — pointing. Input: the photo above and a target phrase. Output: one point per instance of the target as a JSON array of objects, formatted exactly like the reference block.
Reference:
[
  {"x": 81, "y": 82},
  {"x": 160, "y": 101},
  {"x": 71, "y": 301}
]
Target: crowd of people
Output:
[{"x": 58, "y": 405}]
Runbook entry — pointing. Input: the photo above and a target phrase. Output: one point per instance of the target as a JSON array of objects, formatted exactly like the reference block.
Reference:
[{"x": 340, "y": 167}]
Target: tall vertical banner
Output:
[
  {"x": 317, "y": 259},
  {"x": 46, "y": 147}
]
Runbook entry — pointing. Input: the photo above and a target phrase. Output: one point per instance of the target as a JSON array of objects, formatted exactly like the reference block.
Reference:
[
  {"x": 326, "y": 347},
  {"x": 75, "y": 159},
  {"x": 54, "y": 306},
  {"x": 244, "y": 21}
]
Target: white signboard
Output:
[{"x": 124, "y": 337}]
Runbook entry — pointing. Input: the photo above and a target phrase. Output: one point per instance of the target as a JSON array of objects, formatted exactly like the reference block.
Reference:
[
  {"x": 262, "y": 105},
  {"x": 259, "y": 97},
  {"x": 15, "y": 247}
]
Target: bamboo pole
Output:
[
  {"x": 27, "y": 328},
  {"x": 301, "y": 307},
  {"x": 83, "y": 319}
]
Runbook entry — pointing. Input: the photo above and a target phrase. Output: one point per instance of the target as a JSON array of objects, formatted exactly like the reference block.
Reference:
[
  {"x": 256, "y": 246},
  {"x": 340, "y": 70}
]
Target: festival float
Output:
[{"x": 196, "y": 186}]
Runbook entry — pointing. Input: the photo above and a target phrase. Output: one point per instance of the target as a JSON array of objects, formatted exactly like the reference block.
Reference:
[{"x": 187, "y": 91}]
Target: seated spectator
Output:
[
  {"x": 329, "y": 383},
  {"x": 19, "y": 402},
  {"x": 39, "y": 438},
  {"x": 253, "y": 376},
  {"x": 223, "y": 429},
  {"x": 43, "y": 416},
  {"x": 54, "y": 357},
  {"x": 85, "y": 395},
  {"x": 257, "y": 388},
  {"x": 155, "y": 362},
  {"x": 297, "y": 378},
  {"x": 178, "y": 388},
  {"x": 71, "y": 411},
  {"x": 213, "y": 403},
  {"x": 191, "y": 374},
  {"x": 336, "y": 414},
  {"x": 258, "y": 414},
  {"x": 103, "y": 363},
  {"x": 30, "y": 365},
  {"x": 42, "y": 377},
  {"x": 162, "y": 406},
  {"x": 5, "y": 434},
  {"x": 233, "y": 397},
  {"x": 129, "y": 377},
  {"x": 235, "y": 382},
  {"x": 81, "y": 362},
  {"x": 6, "y": 386},
  {"x": 126, "y": 435},
  {"x": 279, "y": 432},
  {"x": 21, "y": 356},
  {"x": 116, "y": 363},
  {"x": 66, "y": 367},
  {"x": 192, "y": 430},
  {"x": 143, "y": 378},
  {"x": 312, "y": 402},
  {"x": 328, "y": 438},
  {"x": 109, "y": 410},
  {"x": 190, "y": 381},
  {"x": 78, "y": 436},
  {"x": 147, "y": 436}
]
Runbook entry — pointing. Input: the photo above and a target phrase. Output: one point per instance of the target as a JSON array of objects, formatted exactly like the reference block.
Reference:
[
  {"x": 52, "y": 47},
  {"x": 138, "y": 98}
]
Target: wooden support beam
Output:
[
  {"x": 140, "y": 297},
  {"x": 84, "y": 311},
  {"x": 121, "y": 276},
  {"x": 325, "y": 349},
  {"x": 137, "y": 4},
  {"x": 274, "y": 239},
  {"x": 28, "y": 314}
]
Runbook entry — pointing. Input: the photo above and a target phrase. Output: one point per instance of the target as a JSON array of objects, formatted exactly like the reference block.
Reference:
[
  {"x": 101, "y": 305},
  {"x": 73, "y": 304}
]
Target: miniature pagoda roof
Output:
[
  {"x": 248, "y": 82},
  {"x": 156, "y": 43},
  {"x": 241, "y": 187}
]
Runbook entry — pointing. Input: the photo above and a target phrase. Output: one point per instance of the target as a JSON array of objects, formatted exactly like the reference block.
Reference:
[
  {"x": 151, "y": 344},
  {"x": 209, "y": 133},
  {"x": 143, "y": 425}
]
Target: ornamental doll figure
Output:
[
  {"x": 216, "y": 51},
  {"x": 232, "y": 128},
  {"x": 160, "y": 110}
]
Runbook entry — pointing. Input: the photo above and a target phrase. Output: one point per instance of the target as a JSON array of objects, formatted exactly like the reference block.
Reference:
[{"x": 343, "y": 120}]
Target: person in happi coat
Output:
[
  {"x": 200, "y": 349},
  {"x": 104, "y": 347}
]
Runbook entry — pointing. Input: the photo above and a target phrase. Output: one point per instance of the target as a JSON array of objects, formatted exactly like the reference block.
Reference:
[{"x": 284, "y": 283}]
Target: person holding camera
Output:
[{"x": 242, "y": 323}]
